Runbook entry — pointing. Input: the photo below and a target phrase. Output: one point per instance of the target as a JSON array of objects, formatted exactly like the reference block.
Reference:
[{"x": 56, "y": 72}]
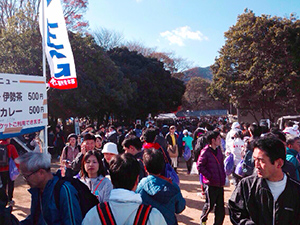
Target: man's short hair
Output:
[
  {"x": 132, "y": 140},
  {"x": 211, "y": 135},
  {"x": 153, "y": 160},
  {"x": 34, "y": 161},
  {"x": 89, "y": 136},
  {"x": 278, "y": 133},
  {"x": 272, "y": 146},
  {"x": 124, "y": 170},
  {"x": 255, "y": 130},
  {"x": 149, "y": 135}
]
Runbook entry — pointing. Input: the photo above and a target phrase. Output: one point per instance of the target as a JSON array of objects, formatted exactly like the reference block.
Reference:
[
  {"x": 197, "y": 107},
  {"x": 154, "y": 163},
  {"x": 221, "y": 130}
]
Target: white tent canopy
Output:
[{"x": 166, "y": 116}]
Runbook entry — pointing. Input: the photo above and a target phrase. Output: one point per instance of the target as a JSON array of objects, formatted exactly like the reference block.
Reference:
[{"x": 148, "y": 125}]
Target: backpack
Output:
[
  {"x": 248, "y": 164},
  {"x": 3, "y": 155},
  {"x": 86, "y": 199},
  {"x": 200, "y": 144},
  {"x": 106, "y": 216},
  {"x": 7, "y": 218}
]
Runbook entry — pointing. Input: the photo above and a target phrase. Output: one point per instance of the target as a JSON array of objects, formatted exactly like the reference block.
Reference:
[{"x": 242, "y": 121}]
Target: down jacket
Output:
[
  {"x": 163, "y": 195},
  {"x": 210, "y": 164}
]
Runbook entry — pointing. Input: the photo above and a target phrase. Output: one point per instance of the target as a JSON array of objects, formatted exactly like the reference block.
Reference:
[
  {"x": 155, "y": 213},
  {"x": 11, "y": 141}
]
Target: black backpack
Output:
[
  {"x": 3, "y": 155},
  {"x": 200, "y": 144},
  {"x": 106, "y": 216},
  {"x": 86, "y": 199}
]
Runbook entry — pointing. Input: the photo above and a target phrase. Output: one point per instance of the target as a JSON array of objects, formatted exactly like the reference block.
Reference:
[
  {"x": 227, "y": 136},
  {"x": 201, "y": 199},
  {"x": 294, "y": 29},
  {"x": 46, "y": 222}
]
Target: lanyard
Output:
[{"x": 98, "y": 185}]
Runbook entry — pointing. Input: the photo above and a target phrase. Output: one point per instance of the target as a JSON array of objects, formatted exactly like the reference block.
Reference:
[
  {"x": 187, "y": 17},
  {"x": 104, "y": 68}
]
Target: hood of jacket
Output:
[{"x": 161, "y": 190}]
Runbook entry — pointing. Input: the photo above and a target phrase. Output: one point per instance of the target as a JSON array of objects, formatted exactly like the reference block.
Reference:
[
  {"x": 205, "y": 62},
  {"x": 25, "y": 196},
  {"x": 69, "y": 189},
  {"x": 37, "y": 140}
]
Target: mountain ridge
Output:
[{"x": 203, "y": 72}]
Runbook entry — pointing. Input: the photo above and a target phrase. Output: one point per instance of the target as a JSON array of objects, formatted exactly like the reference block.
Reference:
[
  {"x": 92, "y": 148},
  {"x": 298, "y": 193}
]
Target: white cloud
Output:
[{"x": 180, "y": 34}]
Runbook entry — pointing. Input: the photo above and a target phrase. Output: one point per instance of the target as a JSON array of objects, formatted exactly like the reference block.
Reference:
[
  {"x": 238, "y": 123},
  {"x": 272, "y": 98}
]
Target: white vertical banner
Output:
[{"x": 57, "y": 46}]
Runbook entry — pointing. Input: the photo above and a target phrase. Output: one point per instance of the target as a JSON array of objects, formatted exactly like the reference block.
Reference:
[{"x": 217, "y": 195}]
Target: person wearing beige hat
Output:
[{"x": 109, "y": 150}]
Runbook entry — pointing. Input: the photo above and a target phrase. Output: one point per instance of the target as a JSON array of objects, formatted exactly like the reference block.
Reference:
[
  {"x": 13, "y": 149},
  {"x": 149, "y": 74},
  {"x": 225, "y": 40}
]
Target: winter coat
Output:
[
  {"x": 124, "y": 205},
  {"x": 69, "y": 212},
  {"x": 211, "y": 166},
  {"x": 291, "y": 157},
  {"x": 252, "y": 203},
  {"x": 69, "y": 153},
  {"x": 163, "y": 195},
  {"x": 99, "y": 186},
  {"x": 236, "y": 146}
]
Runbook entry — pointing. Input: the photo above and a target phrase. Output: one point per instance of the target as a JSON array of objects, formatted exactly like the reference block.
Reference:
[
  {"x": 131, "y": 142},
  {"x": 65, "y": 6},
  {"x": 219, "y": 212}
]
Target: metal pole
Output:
[{"x": 44, "y": 73}]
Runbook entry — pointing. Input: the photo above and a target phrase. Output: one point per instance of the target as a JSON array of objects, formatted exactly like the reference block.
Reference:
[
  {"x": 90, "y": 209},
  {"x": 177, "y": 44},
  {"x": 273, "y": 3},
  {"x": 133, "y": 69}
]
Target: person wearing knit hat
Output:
[{"x": 110, "y": 149}]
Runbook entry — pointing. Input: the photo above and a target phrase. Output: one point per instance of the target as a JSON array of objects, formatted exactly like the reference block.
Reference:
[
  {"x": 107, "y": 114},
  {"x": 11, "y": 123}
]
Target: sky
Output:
[{"x": 191, "y": 29}]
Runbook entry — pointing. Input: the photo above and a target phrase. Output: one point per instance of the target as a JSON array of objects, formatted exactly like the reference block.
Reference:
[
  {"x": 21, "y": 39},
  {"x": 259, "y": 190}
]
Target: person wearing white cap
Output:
[
  {"x": 109, "y": 150},
  {"x": 230, "y": 135}
]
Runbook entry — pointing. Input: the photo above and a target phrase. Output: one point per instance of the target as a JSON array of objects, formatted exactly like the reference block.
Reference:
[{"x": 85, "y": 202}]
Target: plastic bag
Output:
[
  {"x": 227, "y": 182},
  {"x": 229, "y": 164},
  {"x": 13, "y": 169},
  {"x": 239, "y": 169},
  {"x": 194, "y": 168}
]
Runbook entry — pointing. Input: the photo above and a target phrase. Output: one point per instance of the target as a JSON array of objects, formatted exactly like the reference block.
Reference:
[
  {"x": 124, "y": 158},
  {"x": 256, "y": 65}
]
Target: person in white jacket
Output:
[
  {"x": 229, "y": 137},
  {"x": 236, "y": 148},
  {"x": 93, "y": 175},
  {"x": 123, "y": 201}
]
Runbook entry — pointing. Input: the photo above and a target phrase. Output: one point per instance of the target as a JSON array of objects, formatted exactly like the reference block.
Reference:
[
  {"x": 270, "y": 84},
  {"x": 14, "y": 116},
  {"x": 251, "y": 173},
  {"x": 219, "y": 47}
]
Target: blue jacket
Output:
[
  {"x": 163, "y": 195},
  {"x": 291, "y": 157},
  {"x": 69, "y": 212}
]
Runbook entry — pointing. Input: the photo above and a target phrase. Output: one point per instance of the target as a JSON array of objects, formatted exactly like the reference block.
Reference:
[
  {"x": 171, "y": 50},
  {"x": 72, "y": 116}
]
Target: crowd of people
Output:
[{"x": 132, "y": 173}]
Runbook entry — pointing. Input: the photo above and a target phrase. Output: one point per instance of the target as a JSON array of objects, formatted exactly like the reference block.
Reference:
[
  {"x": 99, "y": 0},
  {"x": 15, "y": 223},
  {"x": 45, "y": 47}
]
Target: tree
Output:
[
  {"x": 171, "y": 62},
  {"x": 155, "y": 90},
  {"x": 73, "y": 11},
  {"x": 20, "y": 45},
  {"x": 256, "y": 69},
  {"x": 107, "y": 39},
  {"x": 102, "y": 89},
  {"x": 196, "y": 96}
]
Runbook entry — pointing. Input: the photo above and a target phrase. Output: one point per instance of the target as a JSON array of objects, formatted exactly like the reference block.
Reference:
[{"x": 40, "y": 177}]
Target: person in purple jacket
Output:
[{"x": 210, "y": 165}]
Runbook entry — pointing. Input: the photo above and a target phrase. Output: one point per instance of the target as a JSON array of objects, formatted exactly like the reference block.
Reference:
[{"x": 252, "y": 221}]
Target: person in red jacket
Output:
[{"x": 4, "y": 170}]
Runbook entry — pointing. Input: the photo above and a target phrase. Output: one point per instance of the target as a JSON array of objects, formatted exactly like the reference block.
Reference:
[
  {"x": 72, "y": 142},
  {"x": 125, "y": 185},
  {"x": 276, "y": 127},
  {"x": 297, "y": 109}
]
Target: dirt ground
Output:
[{"x": 189, "y": 185}]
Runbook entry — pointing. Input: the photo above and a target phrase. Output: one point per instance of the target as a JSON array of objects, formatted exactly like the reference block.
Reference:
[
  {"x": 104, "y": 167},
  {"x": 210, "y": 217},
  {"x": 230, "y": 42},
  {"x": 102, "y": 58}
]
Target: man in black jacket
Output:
[{"x": 270, "y": 196}]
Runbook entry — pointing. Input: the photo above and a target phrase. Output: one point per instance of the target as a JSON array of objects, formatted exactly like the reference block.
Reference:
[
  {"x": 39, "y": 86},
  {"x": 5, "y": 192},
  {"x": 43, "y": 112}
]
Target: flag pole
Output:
[{"x": 44, "y": 72}]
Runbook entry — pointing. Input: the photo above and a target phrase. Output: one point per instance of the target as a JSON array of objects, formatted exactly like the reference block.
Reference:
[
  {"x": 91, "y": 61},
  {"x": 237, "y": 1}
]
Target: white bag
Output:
[{"x": 194, "y": 169}]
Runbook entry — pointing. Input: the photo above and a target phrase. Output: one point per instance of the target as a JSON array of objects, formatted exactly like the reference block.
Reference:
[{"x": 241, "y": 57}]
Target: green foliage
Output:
[
  {"x": 257, "y": 69},
  {"x": 154, "y": 90},
  {"x": 102, "y": 89},
  {"x": 121, "y": 83},
  {"x": 196, "y": 96},
  {"x": 20, "y": 48}
]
